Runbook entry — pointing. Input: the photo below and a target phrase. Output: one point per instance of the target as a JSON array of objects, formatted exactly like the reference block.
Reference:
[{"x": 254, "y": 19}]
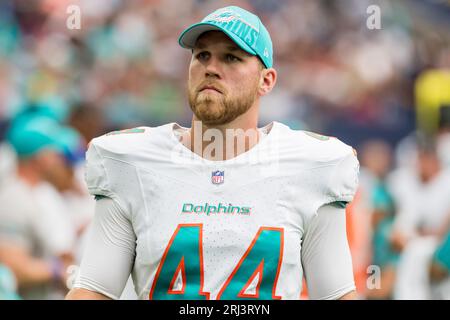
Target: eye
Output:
[
  {"x": 202, "y": 55},
  {"x": 232, "y": 58}
]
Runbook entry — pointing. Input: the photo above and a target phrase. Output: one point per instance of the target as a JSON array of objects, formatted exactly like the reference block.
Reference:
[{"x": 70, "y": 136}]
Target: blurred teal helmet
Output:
[
  {"x": 241, "y": 26},
  {"x": 30, "y": 134}
]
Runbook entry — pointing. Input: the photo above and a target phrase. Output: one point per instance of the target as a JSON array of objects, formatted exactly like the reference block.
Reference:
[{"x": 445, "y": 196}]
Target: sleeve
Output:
[
  {"x": 326, "y": 258},
  {"x": 109, "y": 252},
  {"x": 96, "y": 174},
  {"x": 343, "y": 180}
]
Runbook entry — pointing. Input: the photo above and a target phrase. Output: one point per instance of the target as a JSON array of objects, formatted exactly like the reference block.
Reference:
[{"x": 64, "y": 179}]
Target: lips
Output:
[{"x": 209, "y": 87}]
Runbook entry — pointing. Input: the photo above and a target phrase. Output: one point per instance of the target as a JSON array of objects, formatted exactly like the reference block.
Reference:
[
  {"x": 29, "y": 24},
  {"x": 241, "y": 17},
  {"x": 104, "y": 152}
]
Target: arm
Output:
[
  {"x": 326, "y": 256},
  {"x": 84, "y": 294},
  {"x": 349, "y": 296},
  {"x": 27, "y": 269},
  {"x": 111, "y": 242}
]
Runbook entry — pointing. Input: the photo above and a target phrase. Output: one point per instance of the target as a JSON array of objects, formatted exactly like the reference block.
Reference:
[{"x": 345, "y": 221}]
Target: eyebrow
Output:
[{"x": 234, "y": 48}]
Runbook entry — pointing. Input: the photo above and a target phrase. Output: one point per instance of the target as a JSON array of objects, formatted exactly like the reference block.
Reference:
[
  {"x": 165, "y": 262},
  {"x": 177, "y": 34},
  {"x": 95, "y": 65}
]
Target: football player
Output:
[{"x": 247, "y": 220}]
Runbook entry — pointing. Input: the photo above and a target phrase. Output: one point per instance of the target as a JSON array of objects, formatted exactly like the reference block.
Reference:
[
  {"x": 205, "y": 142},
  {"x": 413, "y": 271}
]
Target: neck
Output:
[{"x": 223, "y": 142}]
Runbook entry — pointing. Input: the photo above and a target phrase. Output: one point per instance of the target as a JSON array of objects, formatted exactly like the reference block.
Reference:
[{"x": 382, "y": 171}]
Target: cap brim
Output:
[{"x": 189, "y": 37}]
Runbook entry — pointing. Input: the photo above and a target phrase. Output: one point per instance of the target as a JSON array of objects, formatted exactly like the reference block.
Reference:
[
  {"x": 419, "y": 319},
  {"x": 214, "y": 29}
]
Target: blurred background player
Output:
[
  {"x": 379, "y": 211},
  {"x": 36, "y": 237},
  {"x": 37, "y": 233}
]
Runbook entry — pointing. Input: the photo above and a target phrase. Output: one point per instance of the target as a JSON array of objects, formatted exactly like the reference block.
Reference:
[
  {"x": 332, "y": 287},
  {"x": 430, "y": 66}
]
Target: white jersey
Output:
[
  {"x": 198, "y": 229},
  {"x": 422, "y": 207},
  {"x": 37, "y": 220}
]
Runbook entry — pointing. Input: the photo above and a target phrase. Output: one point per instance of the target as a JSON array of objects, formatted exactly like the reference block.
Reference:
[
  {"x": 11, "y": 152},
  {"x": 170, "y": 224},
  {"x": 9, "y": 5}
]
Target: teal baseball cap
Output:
[
  {"x": 241, "y": 26},
  {"x": 29, "y": 135}
]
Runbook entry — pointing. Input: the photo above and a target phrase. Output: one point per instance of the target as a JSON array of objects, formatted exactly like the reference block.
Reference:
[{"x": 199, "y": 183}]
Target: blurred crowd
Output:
[{"x": 386, "y": 92}]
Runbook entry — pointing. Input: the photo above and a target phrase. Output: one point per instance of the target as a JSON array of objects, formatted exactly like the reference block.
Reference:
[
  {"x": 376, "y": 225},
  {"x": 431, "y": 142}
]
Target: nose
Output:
[{"x": 212, "y": 68}]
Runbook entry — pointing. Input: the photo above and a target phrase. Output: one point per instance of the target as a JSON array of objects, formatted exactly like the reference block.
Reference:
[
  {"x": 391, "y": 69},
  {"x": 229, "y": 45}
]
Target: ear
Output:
[{"x": 267, "y": 81}]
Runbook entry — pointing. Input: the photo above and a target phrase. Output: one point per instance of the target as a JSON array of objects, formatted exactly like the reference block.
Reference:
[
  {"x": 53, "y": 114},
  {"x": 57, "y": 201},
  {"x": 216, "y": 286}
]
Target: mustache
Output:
[{"x": 210, "y": 84}]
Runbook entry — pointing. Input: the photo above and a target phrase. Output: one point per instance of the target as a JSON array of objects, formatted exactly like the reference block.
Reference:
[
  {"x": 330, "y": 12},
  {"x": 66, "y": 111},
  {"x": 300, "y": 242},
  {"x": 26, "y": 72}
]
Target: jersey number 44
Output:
[{"x": 180, "y": 274}]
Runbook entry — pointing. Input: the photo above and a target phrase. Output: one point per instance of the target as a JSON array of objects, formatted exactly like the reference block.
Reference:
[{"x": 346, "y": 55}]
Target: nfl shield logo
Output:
[{"x": 217, "y": 177}]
